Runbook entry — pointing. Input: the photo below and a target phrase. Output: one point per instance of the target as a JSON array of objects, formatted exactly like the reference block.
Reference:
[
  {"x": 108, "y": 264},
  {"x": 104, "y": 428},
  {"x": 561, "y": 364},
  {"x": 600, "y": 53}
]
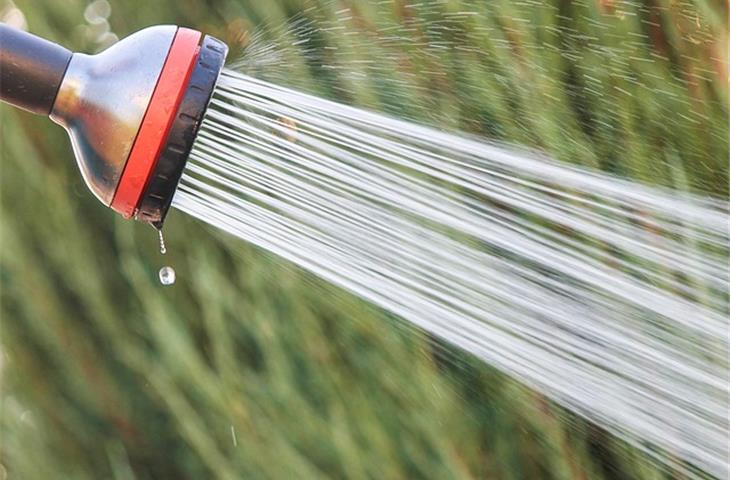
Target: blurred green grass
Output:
[{"x": 251, "y": 368}]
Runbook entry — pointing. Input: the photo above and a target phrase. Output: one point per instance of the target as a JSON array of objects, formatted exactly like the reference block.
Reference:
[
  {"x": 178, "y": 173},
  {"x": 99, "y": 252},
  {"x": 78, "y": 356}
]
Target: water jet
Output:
[{"x": 606, "y": 295}]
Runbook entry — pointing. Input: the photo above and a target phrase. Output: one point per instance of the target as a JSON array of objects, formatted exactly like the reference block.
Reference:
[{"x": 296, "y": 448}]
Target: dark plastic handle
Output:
[{"x": 31, "y": 70}]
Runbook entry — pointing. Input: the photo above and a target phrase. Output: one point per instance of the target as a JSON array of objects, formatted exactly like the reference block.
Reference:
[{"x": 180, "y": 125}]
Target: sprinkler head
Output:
[{"x": 132, "y": 111}]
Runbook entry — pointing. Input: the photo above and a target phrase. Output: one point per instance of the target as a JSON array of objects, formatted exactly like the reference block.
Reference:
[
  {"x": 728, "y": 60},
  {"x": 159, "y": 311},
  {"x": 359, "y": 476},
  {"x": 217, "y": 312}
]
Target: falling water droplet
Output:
[
  {"x": 167, "y": 275},
  {"x": 163, "y": 248}
]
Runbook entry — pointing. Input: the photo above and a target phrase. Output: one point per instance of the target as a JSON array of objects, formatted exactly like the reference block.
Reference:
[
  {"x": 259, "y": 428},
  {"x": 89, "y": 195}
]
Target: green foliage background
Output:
[{"x": 251, "y": 368}]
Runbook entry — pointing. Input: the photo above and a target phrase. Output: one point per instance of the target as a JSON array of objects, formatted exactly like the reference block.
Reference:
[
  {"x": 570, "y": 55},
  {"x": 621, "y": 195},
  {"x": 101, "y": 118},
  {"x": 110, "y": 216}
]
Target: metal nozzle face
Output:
[{"x": 102, "y": 102}]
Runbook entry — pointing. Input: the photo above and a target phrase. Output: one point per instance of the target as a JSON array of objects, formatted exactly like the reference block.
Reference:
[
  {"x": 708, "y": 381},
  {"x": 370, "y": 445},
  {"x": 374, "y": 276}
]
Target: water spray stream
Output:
[{"x": 609, "y": 297}]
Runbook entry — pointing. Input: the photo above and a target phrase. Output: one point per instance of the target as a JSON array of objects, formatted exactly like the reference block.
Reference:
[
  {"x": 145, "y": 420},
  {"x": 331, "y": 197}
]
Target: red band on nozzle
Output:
[{"x": 157, "y": 121}]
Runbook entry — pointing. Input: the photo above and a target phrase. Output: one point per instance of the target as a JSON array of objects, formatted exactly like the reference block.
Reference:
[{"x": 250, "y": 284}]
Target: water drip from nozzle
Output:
[
  {"x": 163, "y": 248},
  {"x": 167, "y": 273}
]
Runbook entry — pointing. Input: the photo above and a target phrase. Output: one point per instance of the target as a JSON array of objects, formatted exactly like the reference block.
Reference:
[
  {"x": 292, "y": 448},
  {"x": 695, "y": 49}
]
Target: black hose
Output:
[{"x": 31, "y": 70}]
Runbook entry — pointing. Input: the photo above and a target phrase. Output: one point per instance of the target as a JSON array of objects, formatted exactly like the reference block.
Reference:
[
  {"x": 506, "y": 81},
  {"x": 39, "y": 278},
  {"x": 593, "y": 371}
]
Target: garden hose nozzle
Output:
[{"x": 132, "y": 111}]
